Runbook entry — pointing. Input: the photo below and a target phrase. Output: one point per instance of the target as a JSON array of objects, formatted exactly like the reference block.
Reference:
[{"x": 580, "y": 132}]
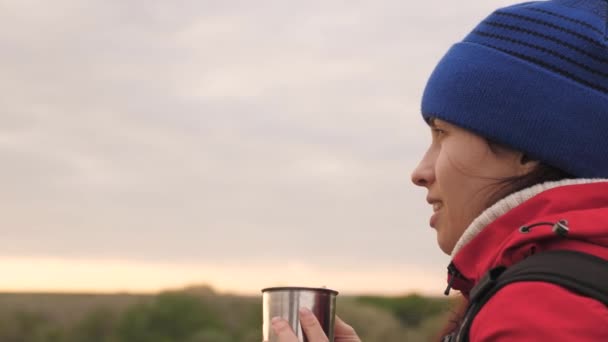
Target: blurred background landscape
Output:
[
  {"x": 151, "y": 145},
  {"x": 198, "y": 314}
]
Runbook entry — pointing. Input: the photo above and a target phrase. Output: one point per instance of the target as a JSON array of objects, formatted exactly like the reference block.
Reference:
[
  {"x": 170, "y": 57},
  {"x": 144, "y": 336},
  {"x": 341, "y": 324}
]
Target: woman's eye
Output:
[{"x": 438, "y": 131}]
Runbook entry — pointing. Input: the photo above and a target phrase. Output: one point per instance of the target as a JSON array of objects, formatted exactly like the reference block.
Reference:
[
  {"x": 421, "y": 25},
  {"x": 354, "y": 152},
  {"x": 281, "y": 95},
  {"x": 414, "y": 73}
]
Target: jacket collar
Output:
[
  {"x": 494, "y": 238},
  {"x": 506, "y": 204}
]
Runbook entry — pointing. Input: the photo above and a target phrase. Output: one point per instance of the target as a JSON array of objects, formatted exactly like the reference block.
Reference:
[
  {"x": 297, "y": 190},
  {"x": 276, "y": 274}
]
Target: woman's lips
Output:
[
  {"x": 436, "y": 208},
  {"x": 433, "y": 219}
]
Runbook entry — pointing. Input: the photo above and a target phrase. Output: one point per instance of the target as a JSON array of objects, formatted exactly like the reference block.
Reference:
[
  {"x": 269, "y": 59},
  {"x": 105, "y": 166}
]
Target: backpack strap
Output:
[{"x": 581, "y": 273}]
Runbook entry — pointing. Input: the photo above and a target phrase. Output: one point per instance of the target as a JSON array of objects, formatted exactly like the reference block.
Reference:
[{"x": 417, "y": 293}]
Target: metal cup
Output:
[{"x": 285, "y": 302}]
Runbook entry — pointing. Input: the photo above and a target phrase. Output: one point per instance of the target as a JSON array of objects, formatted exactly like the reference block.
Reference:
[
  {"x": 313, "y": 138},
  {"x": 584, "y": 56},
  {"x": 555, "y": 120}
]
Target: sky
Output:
[{"x": 147, "y": 145}]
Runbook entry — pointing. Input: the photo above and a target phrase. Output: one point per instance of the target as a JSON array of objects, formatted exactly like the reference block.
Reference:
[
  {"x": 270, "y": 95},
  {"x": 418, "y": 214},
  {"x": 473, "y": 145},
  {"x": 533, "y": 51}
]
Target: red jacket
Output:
[{"x": 536, "y": 311}]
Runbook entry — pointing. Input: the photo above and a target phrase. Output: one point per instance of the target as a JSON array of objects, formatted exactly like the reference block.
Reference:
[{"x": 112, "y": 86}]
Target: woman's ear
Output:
[{"x": 527, "y": 164}]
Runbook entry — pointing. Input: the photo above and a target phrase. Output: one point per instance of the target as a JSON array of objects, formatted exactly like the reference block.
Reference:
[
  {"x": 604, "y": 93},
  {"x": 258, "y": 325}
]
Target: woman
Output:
[{"x": 518, "y": 114}]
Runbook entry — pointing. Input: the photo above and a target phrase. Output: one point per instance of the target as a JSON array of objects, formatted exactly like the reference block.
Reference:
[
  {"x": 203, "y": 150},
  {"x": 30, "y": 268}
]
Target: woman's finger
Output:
[
  {"x": 283, "y": 331},
  {"x": 313, "y": 330}
]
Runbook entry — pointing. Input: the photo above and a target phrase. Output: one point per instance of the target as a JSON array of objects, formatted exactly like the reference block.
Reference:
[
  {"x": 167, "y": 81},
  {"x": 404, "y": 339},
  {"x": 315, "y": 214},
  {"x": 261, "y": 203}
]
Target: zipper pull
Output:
[
  {"x": 453, "y": 273},
  {"x": 447, "y": 289}
]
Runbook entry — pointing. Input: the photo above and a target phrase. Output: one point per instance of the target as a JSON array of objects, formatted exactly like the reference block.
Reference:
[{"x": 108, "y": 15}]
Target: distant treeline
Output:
[{"x": 198, "y": 314}]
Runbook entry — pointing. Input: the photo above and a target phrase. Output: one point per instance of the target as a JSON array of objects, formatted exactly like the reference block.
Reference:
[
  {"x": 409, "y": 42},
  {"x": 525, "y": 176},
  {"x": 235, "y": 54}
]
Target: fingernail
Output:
[
  {"x": 276, "y": 324},
  {"x": 305, "y": 312}
]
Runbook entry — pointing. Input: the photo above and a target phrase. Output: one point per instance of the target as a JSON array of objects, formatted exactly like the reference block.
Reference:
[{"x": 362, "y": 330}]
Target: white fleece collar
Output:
[{"x": 513, "y": 200}]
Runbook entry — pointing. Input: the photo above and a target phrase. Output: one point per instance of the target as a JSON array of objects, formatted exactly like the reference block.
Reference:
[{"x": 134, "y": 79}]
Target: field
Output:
[{"x": 198, "y": 314}]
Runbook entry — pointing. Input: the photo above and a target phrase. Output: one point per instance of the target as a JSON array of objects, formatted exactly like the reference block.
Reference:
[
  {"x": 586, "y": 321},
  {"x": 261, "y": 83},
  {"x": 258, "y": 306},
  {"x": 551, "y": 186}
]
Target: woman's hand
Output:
[{"x": 314, "y": 333}]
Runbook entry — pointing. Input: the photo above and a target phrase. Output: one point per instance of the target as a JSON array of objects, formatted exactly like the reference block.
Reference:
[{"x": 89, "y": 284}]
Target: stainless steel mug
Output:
[{"x": 285, "y": 302}]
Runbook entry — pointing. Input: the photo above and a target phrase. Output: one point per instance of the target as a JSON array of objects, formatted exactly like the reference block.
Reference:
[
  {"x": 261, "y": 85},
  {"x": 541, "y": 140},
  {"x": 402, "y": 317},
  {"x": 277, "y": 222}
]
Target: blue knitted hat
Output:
[{"x": 532, "y": 76}]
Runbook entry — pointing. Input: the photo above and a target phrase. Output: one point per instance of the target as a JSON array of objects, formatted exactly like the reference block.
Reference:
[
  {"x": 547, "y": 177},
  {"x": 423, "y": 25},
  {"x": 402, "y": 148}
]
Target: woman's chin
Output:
[{"x": 445, "y": 246}]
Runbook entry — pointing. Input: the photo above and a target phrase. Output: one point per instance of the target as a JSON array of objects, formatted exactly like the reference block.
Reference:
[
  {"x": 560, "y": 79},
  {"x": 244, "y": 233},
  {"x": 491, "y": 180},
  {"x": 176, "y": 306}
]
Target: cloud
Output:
[{"x": 215, "y": 131}]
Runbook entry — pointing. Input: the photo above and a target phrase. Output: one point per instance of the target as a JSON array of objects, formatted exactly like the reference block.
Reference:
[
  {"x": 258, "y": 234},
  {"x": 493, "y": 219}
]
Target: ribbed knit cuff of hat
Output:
[{"x": 534, "y": 77}]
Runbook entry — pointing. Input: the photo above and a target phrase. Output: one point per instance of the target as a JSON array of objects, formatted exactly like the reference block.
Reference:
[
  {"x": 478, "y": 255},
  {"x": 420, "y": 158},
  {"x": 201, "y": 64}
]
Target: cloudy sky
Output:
[{"x": 241, "y": 144}]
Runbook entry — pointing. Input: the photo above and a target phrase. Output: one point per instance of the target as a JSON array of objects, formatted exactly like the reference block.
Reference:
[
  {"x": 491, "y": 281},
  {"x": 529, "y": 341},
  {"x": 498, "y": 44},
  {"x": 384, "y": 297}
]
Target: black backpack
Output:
[{"x": 578, "y": 272}]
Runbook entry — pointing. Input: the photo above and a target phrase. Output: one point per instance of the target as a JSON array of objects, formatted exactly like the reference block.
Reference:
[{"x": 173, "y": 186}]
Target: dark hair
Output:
[{"x": 541, "y": 173}]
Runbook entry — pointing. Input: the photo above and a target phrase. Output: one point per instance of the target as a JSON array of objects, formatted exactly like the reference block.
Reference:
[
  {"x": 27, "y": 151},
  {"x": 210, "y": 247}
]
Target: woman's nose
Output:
[{"x": 424, "y": 173}]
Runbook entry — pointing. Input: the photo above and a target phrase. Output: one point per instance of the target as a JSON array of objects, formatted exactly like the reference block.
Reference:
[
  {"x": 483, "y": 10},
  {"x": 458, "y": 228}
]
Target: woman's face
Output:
[{"x": 461, "y": 171}]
